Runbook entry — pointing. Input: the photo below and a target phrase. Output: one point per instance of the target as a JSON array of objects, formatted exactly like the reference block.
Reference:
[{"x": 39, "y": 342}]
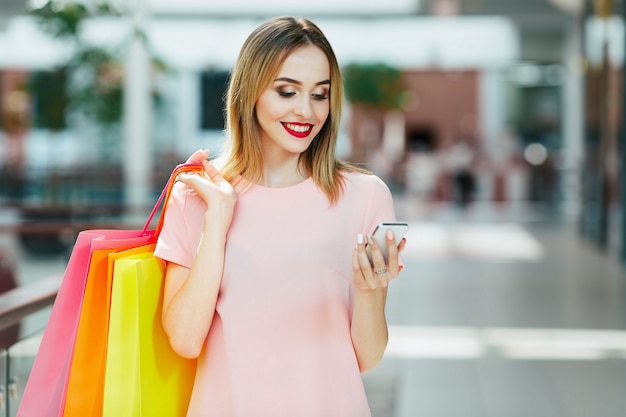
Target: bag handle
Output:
[{"x": 167, "y": 191}]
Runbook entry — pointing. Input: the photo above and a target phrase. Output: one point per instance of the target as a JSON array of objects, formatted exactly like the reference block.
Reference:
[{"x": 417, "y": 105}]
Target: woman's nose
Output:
[{"x": 303, "y": 107}]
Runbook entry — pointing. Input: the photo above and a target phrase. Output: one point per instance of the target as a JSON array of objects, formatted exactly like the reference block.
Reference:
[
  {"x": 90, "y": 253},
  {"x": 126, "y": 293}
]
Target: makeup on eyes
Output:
[{"x": 288, "y": 91}]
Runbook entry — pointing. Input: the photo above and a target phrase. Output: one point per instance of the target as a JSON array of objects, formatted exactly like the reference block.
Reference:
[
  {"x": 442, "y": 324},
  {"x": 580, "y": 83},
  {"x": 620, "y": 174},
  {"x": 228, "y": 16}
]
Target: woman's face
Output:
[{"x": 295, "y": 106}]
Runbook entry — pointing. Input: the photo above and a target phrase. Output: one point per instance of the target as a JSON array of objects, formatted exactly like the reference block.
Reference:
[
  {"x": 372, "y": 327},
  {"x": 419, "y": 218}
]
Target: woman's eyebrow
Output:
[{"x": 296, "y": 82}]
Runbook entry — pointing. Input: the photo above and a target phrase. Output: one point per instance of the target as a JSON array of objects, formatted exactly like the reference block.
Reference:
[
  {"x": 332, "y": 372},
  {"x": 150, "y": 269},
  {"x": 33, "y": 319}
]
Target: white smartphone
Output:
[{"x": 399, "y": 230}]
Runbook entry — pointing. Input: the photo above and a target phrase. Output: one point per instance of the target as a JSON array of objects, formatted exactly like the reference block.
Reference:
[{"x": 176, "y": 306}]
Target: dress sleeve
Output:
[
  {"x": 177, "y": 241},
  {"x": 380, "y": 207}
]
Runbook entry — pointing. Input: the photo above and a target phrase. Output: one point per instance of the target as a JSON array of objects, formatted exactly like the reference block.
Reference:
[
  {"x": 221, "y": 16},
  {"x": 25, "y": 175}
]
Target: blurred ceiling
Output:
[
  {"x": 542, "y": 26},
  {"x": 518, "y": 9}
]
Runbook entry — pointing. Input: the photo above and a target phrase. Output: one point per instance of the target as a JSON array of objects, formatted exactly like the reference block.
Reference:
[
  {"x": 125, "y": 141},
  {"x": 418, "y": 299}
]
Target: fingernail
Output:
[
  {"x": 370, "y": 240},
  {"x": 389, "y": 235},
  {"x": 359, "y": 238}
]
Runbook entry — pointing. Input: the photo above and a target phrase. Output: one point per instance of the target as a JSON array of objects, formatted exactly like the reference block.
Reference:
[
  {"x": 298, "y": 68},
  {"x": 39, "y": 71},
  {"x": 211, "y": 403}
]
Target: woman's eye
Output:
[{"x": 316, "y": 96}]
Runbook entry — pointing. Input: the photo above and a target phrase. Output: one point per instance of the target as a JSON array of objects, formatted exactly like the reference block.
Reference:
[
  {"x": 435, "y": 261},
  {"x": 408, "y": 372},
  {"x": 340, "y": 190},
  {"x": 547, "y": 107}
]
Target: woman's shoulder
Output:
[
  {"x": 362, "y": 179},
  {"x": 365, "y": 193},
  {"x": 364, "y": 187}
]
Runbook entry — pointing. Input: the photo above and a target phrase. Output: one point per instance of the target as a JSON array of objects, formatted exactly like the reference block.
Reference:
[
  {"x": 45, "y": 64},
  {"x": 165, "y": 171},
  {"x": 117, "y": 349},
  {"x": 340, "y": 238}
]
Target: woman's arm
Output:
[
  {"x": 369, "y": 325},
  {"x": 190, "y": 294}
]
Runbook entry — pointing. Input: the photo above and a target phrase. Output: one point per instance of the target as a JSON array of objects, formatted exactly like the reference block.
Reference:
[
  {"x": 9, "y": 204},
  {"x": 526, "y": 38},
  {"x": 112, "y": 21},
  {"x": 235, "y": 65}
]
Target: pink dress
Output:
[{"x": 279, "y": 344}]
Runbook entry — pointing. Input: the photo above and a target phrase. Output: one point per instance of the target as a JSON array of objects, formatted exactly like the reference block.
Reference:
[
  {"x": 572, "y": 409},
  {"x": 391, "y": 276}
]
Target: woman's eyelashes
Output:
[
  {"x": 321, "y": 95},
  {"x": 285, "y": 93}
]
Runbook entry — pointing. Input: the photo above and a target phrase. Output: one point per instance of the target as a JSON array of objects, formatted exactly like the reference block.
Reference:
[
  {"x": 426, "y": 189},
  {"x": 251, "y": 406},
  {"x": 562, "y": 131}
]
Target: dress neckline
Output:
[{"x": 305, "y": 181}]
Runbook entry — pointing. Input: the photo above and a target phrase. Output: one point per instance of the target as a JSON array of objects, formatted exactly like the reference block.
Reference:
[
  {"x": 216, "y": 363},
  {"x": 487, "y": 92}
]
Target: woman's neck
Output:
[{"x": 284, "y": 172}]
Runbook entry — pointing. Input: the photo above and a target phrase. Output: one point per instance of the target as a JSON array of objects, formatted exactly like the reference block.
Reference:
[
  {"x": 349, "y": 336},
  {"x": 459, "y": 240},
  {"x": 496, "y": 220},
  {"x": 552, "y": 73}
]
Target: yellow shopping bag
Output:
[{"x": 144, "y": 376}]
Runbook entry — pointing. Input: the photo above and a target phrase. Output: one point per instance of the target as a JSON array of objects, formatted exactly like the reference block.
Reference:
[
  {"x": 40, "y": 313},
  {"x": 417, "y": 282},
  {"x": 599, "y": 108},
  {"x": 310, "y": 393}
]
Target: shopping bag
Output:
[
  {"x": 46, "y": 387},
  {"x": 85, "y": 386},
  {"x": 144, "y": 376},
  {"x": 44, "y": 393},
  {"x": 166, "y": 379}
]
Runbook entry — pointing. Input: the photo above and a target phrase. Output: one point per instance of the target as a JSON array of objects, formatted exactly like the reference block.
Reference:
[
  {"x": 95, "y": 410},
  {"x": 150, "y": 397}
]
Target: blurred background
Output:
[{"x": 497, "y": 124}]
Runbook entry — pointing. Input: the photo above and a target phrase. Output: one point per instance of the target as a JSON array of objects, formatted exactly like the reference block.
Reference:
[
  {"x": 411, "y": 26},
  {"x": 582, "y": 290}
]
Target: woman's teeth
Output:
[{"x": 298, "y": 128}]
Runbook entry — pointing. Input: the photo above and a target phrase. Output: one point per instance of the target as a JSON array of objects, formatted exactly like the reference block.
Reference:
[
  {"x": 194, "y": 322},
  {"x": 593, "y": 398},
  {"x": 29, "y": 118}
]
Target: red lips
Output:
[{"x": 298, "y": 130}]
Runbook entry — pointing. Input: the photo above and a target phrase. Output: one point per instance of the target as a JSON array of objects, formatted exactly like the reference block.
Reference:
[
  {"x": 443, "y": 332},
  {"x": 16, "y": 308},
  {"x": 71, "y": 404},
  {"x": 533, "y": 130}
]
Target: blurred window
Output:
[
  {"x": 49, "y": 99},
  {"x": 213, "y": 86},
  {"x": 421, "y": 139}
]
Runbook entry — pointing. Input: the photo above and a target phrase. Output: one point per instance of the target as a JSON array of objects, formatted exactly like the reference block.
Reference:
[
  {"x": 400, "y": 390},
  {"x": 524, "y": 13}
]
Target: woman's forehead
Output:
[{"x": 307, "y": 61}]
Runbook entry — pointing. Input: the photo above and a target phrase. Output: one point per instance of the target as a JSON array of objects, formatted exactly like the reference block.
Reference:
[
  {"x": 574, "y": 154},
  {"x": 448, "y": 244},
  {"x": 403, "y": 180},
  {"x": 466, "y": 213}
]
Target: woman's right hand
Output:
[{"x": 219, "y": 194}]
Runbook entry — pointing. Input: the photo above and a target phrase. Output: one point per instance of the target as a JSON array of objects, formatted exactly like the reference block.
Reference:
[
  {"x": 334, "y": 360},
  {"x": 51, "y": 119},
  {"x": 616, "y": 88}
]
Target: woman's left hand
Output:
[{"x": 375, "y": 274}]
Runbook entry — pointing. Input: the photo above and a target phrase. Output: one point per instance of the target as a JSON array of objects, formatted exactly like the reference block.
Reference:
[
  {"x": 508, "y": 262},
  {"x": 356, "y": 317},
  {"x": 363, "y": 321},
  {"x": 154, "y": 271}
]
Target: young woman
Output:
[{"x": 268, "y": 281}]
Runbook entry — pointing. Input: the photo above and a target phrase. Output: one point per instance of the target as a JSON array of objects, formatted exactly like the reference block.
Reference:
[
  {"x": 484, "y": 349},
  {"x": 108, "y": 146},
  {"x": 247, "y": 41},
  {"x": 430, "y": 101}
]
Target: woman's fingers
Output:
[
  {"x": 370, "y": 269},
  {"x": 402, "y": 245},
  {"x": 198, "y": 156},
  {"x": 369, "y": 274},
  {"x": 361, "y": 265},
  {"x": 210, "y": 169},
  {"x": 193, "y": 180},
  {"x": 210, "y": 184},
  {"x": 380, "y": 274},
  {"x": 392, "y": 251}
]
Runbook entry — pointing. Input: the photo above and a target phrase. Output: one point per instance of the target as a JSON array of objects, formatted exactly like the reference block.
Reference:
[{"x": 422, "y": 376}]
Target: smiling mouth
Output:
[{"x": 298, "y": 130}]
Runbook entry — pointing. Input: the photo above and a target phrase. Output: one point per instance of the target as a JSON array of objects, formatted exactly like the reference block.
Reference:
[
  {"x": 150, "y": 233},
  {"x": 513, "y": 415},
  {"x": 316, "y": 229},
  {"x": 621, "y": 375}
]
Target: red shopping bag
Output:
[{"x": 46, "y": 388}]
